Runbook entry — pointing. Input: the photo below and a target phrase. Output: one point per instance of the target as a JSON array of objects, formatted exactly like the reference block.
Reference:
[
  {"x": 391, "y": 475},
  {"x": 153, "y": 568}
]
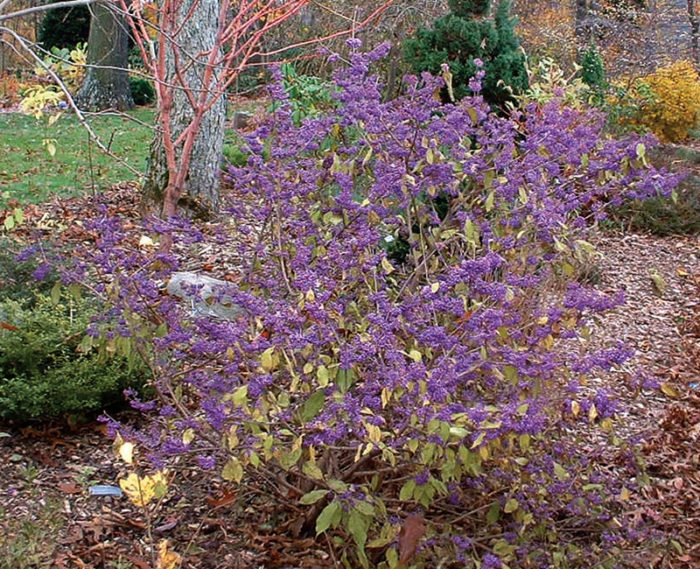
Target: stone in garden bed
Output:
[{"x": 205, "y": 296}]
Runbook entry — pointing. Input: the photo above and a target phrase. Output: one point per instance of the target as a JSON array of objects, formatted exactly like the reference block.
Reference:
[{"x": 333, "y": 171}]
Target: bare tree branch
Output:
[{"x": 42, "y": 8}]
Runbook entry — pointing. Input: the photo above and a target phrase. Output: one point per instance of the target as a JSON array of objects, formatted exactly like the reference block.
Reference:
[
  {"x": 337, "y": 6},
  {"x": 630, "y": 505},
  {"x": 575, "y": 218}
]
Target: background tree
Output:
[
  {"x": 106, "y": 84},
  {"x": 694, "y": 20},
  {"x": 466, "y": 34},
  {"x": 194, "y": 51}
]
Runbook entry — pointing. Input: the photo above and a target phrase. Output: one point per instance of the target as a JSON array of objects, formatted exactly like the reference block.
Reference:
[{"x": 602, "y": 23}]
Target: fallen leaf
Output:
[
  {"x": 69, "y": 488},
  {"x": 227, "y": 498},
  {"x": 412, "y": 531},
  {"x": 167, "y": 558}
]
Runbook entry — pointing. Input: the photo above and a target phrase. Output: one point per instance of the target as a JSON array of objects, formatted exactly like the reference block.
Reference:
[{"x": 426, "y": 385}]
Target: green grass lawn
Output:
[{"x": 30, "y": 174}]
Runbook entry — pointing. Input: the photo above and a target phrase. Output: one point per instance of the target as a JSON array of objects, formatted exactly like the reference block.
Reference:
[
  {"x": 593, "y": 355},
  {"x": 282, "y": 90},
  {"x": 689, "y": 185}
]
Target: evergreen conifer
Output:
[{"x": 467, "y": 34}]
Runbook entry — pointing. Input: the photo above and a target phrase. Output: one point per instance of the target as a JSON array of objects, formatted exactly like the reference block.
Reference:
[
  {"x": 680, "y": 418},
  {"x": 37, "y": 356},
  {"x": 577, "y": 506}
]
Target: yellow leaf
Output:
[
  {"x": 415, "y": 355},
  {"x": 575, "y": 408},
  {"x": 669, "y": 390},
  {"x": 126, "y": 452},
  {"x": 374, "y": 433},
  {"x": 387, "y": 266},
  {"x": 592, "y": 413},
  {"x": 188, "y": 436},
  {"x": 167, "y": 558},
  {"x": 269, "y": 360},
  {"x": 137, "y": 490},
  {"x": 233, "y": 470},
  {"x": 142, "y": 490}
]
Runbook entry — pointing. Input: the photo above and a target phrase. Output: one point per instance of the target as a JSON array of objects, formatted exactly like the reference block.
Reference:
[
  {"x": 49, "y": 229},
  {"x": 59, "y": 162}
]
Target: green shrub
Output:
[
  {"x": 593, "y": 68},
  {"x": 308, "y": 95},
  {"x": 16, "y": 280},
  {"x": 43, "y": 374},
  {"x": 65, "y": 27},
  {"x": 676, "y": 215},
  {"x": 469, "y": 8},
  {"x": 142, "y": 92},
  {"x": 462, "y": 37},
  {"x": 666, "y": 216},
  {"x": 235, "y": 156}
]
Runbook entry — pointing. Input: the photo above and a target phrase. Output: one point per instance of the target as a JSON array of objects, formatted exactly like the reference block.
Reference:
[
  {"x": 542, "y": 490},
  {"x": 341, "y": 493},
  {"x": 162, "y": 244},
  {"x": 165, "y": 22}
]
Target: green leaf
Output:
[
  {"x": 357, "y": 526},
  {"x": 494, "y": 513},
  {"x": 337, "y": 486},
  {"x": 268, "y": 359},
  {"x": 329, "y": 517},
  {"x": 560, "y": 471},
  {"x": 511, "y": 506},
  {"x": 240, "y": 396},
  {"x": 392, "y": 558},
  {"x": 322, "y": 375},
  {"x": 313, "y": 496},
  {"x": 312, "y": 470},
  {"x": 18, "y": 214},
  {"x": 365, "y": 508},
  {"x": 407, "y": 489},
  {"x": 56, "y": 293},
  {"x": 313, "y": 405},
  {"x": 289, "y": 459}
]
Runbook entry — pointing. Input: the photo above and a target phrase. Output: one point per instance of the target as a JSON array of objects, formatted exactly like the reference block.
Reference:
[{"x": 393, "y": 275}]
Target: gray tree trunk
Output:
[
  {"x": 201, "y": 192},
  {"x": 694, "y": 19},
  {"x": 106, "y": 83}
]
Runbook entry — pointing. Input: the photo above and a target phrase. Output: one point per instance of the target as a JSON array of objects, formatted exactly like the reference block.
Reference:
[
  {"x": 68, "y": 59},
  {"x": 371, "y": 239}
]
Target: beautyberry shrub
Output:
[{"x": 448, "y": 382}]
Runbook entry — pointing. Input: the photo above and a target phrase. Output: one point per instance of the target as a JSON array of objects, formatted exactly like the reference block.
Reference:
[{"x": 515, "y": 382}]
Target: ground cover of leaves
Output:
[{"x": 49, "y": 519}]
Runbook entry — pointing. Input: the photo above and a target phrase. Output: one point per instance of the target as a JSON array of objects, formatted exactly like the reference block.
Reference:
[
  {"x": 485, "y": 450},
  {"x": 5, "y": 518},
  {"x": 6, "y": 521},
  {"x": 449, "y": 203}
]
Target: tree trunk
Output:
[
  {"x": 694, "y": 19},
  {"x": 106, "y": 83},
  {"x": 200, "y": 196}
]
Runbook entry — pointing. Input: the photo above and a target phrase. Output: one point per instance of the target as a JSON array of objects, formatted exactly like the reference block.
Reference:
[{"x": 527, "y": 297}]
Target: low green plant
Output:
[
  {"x": 68, "y": 63},
  {"x": 235, "y": 156},
  {"x": 142, "y": 91},
  {"x": 548, "y": 81},
  {"x": 666, "y": 102},
  {"x": 28, "y": 542},
  {"x": 44, "y": 373},
  {"x": 679, "y": 215},
  {"x": 308, "y": 95}
]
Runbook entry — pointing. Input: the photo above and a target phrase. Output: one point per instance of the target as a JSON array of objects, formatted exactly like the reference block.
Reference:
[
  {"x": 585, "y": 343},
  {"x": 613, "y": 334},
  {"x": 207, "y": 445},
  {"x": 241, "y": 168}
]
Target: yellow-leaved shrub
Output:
[{"x": 672, "y": 110}]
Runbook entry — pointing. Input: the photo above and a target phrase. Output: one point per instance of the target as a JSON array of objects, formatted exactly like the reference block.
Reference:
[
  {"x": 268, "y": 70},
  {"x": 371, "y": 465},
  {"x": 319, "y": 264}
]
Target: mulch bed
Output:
[{"x": 46, "y": 471}]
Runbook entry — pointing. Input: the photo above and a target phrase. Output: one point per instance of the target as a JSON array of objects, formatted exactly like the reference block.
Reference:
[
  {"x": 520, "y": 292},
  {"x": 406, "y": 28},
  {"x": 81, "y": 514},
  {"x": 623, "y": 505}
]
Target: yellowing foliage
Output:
[
  {"x": 167, "y": 558},
  {"x": 546, "y": 29},
  {"x": 673, "y": 108},
  {"x": 142, "y": 490}
]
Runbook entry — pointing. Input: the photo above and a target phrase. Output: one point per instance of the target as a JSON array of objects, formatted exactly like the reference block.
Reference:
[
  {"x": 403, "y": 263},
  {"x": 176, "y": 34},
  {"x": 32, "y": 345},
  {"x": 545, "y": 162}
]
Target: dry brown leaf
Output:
[{"x": 412, "y": 531}]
